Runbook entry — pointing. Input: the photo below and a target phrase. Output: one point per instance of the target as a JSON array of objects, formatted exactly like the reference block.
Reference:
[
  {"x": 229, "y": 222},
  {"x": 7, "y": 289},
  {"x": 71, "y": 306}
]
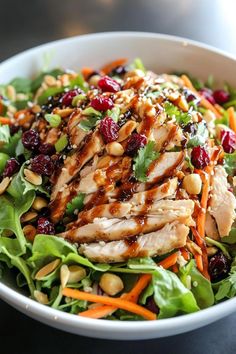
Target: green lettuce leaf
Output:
[
  {"x": 21, "y": 85},
  {"x": 170, "y": 294},
  {"x": 10, "y": 213},
  {"x": 200, "y": 286},
  {"x": 10, "y": 146},
  {"x": 230, "y": 163},
  {"x": 226, "y": 288}
]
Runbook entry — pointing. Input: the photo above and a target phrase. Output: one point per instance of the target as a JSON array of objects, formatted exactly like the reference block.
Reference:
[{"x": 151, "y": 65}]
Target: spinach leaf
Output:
[
  {"x": 20, "y": 263},
  {"x": 145, "y": 156},
  {"x": 19, "y": 186},
  {"x": 170, "y": 295},
  {"x": 46, "y": 248},
  {"x": 230, "y": 163},
  {"x": 200, "y": 286},
  {"x": 200, "y": 136},
  {"x": 21, "y": 85},
  {"x": 231, "y": 239},
  {"x": 10, "y": 213},
  {"x": 10, "y": 146}
]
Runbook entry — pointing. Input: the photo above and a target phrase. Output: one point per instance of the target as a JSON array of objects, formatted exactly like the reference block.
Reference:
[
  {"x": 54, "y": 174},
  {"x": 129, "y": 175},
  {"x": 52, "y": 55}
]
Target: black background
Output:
[{"x": 27, "y": 23}]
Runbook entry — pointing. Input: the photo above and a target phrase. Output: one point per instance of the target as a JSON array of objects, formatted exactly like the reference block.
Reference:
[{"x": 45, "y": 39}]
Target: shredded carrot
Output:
[
  {"x": 133, "y": 295},
  {"x": 86, "y": 72},
  {"x": 169, "y": 261},
  {"x": 106, "y": 300},
  {"x": 106, "y": 69},
  {"x": 184, "y": 253},
  {"x": 199, "y": 262},
  {"x": 204, "y": 102},
  {"x": 219, "y": 108},
  {"x": 5, "y": 120},
  {"x": 232, "y": 119},
  {"x": 201, "y": 243}
]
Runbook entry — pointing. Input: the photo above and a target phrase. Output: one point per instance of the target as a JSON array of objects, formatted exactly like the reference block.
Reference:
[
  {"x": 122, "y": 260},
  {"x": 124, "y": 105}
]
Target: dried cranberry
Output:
[
  {"x": 221, "y": 96},
  {"x": 102, "y": 103},
  {"x": 151, "y": 305},
  {"x": 109, "y": 129},
  {"x": 119, "y": 70},
  {"x": 106, "y": 84},
  {"x": 200, "y": 157},
  {"x": 190, "y": 96},
  {"x": 135, "y": 142},
  {"x": 44, "y": 226},
  {"x": 31, "y": 140},
  {"x": 218, "y": 267},
  {"x": 208, "y": 94},
  {"x": 47, "y": 149},
  {"x": 12, "y": 166},
  {"x": 67, "y": 98},
  {"x": 43, "y": 165},
  {"x": 228, "y": 141}
]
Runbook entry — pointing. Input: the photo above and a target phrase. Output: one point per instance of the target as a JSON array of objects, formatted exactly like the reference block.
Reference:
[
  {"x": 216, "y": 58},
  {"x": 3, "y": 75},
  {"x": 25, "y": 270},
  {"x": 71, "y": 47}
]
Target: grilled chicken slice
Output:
[
  {"x": 222, "y": 203},
  {"x": 210, "y": 227},
  {"x": 164, "y": 166},
  {"x": 167, "y": 136},
  {"x": 165, "y": 190},
  {"x": 116, "y": 229},
  {"x": 76, "y": 134},
  {"x": 171, "y": 236},
  {"x": 74, "y": 163},
  {"x": 127, "y": 210}
]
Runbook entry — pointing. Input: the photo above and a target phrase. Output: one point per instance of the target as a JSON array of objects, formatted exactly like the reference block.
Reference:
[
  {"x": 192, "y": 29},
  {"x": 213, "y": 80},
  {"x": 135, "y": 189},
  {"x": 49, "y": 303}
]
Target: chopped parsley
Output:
[
  {"x": 145, "y": 156},
  {"x": 77, "y": 203}
]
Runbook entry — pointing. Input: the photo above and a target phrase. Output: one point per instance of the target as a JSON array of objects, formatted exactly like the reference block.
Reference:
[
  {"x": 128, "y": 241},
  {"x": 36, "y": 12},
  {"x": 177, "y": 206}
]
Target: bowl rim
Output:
[{"x": 26, "y": 303}]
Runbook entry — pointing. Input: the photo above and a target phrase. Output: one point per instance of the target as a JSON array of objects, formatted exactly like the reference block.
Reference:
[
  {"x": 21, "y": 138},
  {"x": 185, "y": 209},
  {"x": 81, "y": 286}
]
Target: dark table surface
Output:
[{"x": 27, "y": 23}]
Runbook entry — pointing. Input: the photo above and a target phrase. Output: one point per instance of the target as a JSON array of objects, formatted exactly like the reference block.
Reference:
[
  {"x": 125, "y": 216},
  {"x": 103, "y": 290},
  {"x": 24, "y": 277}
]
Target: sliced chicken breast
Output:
[
  {"x": 74, "y": 163},
  {"x": 171, "y": 236},
  {"x": 116, "y": 229},
  {"x": 210, "y": 227},
  {"x": 223, "y": 202},
  {"x": 165, "y": 190},
  {"x": 164, "y": 166}
]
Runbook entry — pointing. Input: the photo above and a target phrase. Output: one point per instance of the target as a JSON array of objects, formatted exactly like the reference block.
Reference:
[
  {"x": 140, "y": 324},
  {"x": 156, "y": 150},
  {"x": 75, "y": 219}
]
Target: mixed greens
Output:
[{"x": 53, "y": 203}]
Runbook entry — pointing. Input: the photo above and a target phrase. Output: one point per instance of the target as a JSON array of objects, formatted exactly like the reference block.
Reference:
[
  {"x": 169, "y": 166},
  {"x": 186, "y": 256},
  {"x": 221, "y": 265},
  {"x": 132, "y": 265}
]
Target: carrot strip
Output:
[
  {"x": 106, "y": 69},
  {"x": 204, "y": 102},
  {"x": 201, "y": 243},
  {"x": 133, "y": 295},
  {"x": 184, "y": 253},
  {"x": 232, "y": 118},
  {"x": 5, "y": 120},
  {"x": 117, "y": 302},
  {"x": 86, "y": 72},
  {"x": 199, "y": 262},
  {"x": 169, "y": 261}
]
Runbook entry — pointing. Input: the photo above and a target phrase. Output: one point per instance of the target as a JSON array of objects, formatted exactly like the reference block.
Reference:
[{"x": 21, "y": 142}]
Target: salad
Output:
[{"x": 117, "y": 191}]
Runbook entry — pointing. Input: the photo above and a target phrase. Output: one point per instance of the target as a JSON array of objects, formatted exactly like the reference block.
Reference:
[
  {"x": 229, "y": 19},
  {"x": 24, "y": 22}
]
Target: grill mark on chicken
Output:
[
  {"x": 114, "y": 229},
  {"x": 74, "y": 163},
  {"x": 163, "y": 165}
]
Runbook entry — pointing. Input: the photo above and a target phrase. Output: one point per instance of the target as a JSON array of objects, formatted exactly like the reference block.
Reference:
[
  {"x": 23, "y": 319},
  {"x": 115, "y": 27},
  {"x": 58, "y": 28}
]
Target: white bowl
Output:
[{"x": 161, "y": 53}]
